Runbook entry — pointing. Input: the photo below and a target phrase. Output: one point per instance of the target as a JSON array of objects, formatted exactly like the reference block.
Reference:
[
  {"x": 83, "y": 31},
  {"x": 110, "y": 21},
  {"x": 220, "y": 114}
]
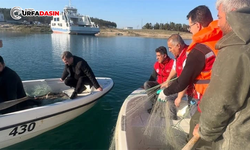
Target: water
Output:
[{"x": 127, "y": 60}]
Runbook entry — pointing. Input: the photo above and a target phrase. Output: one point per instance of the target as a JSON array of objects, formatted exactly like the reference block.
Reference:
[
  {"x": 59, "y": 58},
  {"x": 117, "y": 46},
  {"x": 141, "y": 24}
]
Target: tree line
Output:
[
  {"x": 103, "y": 23},
  {"x": 167, "y": 26},
  {"x": 47, "y": 19}
]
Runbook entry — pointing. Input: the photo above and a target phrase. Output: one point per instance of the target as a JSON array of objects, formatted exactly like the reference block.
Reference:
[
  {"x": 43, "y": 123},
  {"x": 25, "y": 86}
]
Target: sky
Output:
[{"x": 125, "y": 13}]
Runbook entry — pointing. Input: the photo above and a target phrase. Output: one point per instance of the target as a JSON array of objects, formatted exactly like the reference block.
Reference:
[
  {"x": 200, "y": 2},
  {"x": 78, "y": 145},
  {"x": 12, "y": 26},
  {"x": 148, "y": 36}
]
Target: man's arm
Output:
[
  {"x": 226, "y": 94},
  {"x": 179, "y": 97},
  {"x": 153, "y": 76},
  {"x": 65, "y": 73},
  {"x": 194, "y": 65},
  {"x": 89, "y": 73},
  {"x": 171, "y": 75},
  {"x": 11, "y": 86}
]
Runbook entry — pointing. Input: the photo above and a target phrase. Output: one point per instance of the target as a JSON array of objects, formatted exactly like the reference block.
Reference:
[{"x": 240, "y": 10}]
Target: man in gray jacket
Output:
[{"x": 225, "y": 106}]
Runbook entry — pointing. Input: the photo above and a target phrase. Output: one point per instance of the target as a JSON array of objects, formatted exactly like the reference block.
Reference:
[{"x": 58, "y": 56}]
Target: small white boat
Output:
[
  {"x": 21, "y": 125},
  {"x": 132, "y": 123},
  {"x": 69, "y": 21}
]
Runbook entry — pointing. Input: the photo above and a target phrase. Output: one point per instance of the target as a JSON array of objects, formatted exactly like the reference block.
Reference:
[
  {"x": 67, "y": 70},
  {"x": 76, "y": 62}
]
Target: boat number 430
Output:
[{"x": 23, "y": 128}]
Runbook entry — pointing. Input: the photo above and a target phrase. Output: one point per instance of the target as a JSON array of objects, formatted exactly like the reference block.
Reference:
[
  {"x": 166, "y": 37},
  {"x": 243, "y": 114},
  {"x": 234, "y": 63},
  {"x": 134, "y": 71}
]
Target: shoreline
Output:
[{"x": 104, "y": 32}]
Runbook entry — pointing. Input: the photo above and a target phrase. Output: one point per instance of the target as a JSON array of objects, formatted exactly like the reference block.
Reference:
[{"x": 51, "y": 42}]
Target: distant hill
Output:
[{"x": 47, "y": 19}]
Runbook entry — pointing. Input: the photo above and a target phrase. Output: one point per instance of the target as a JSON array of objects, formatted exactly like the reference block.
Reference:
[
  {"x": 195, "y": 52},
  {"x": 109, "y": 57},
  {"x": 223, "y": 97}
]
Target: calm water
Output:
[{"x": 127, "y": 60}]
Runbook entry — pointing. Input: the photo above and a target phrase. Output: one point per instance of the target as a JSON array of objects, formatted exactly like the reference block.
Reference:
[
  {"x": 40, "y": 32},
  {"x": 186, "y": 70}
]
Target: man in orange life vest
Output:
[
  {"x": 178, "y": 48},
  {"x": 201, "y": 56},
  {"x": 225, "y": 105},
  {"x": 160, "y": 74}
]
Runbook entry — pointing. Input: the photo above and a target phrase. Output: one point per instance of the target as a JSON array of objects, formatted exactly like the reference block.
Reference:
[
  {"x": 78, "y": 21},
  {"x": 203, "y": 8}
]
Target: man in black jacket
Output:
[
  {"x": 77, "y": 74},
  {"x": 11, "y": 86}
]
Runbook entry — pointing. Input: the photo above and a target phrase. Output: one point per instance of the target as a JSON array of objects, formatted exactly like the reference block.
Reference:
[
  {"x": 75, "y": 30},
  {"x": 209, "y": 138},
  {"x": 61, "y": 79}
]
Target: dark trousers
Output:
[
  {"x": 79, "y": 84},
  {"x": 200, "y": 144},
  {"x": 171, "y": 106},
  {"x": 151, "y": 93},
  {"x": 192, "y": 108}
]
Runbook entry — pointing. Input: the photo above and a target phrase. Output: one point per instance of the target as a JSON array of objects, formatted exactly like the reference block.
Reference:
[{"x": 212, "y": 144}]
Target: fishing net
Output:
[
  {"x": 38, "y": 90},
  {"x": 51, "y": 98},
  {"x": 169, "y": 132},
  {"x": 158, "y": 130},
  {"x": 44, "y": 95}
]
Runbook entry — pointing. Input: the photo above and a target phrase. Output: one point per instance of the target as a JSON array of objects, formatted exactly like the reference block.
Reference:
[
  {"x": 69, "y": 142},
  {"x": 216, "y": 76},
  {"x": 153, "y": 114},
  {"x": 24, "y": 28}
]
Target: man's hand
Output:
[
  {"x": 177, "y": 102},
  {"x": 61, "y": 79},
  {"x": 164, "y": 85},
  {"x": 162, "y": 97},
  {"x": 99, "y": 89},
  {"x": 196, "y": 131}
]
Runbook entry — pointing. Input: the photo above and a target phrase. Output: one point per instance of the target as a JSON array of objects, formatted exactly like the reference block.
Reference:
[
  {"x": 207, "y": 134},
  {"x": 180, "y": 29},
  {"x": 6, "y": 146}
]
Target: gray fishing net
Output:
[{"x": 154, "y": 130}]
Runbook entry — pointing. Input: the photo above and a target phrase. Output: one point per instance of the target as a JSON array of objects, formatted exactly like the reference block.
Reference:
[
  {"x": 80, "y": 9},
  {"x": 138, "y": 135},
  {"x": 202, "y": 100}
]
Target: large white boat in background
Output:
[{"x": 69, "y": 21}]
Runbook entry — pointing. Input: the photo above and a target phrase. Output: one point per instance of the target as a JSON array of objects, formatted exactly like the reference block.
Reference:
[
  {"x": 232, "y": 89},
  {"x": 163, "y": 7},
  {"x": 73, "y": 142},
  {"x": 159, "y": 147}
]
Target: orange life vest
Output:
[
  {"x": 208, "y": 37},
  {"x": 163, "y": 69}
]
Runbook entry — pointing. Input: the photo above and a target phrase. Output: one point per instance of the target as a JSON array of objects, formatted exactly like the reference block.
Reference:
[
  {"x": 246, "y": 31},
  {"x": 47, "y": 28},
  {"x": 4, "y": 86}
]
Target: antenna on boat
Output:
[{"x": 69, "y": 3}]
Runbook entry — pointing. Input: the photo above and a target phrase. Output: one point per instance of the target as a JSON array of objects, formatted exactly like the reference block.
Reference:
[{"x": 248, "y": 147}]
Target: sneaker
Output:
[
  {"x": 88, "y": 89},
  {"x": 73, "y": 96}
]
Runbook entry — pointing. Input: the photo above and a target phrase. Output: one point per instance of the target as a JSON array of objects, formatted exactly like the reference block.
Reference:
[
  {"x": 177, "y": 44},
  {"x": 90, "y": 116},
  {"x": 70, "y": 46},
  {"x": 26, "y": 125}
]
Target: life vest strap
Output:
[
  {"x": 202, "y": 81},
  {"x": 210, "y": 54}
]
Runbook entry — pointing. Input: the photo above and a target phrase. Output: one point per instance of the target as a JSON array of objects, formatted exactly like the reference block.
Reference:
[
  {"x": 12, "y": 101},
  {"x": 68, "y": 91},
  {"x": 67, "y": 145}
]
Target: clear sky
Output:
[{"x": 125, "y": 13}]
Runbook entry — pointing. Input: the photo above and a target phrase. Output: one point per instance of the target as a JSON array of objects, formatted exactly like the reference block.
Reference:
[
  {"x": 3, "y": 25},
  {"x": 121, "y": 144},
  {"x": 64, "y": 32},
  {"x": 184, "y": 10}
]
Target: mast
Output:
[{"x": 69, "y": 3}]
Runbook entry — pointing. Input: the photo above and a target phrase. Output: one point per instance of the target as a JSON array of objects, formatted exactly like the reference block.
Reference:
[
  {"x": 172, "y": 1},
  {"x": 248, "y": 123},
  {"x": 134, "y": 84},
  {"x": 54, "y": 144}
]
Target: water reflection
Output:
[
  {"x": 59, "y": 43},
  {"x": 74, "y": 43}
]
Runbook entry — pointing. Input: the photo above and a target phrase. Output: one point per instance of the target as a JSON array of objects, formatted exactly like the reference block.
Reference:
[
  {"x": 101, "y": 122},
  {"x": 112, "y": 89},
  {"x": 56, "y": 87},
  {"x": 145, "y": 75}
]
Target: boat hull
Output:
[
  {"x": 22, "y": 125},
  {"x": 77, "y": 30}
]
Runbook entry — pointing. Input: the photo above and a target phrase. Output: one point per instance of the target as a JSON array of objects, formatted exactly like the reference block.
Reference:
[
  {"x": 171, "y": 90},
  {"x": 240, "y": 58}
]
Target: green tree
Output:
[
  {"x": 104, "y": 23},
  {"x": 172, "y": 26},
  {"x": 162, "y": 26},
  {"x": 147, "y": 26},
  {"x": 178, "y": 27},
  {"x": 167, "y": 26},
  {"x": 157, "y": 26}
]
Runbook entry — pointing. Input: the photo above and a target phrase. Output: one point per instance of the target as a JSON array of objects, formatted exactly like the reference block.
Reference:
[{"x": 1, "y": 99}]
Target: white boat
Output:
[
  {"x": 69, "y": 21},
  {"x": 21, "y": 125},
  {"x": 132, "y": 123}
]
